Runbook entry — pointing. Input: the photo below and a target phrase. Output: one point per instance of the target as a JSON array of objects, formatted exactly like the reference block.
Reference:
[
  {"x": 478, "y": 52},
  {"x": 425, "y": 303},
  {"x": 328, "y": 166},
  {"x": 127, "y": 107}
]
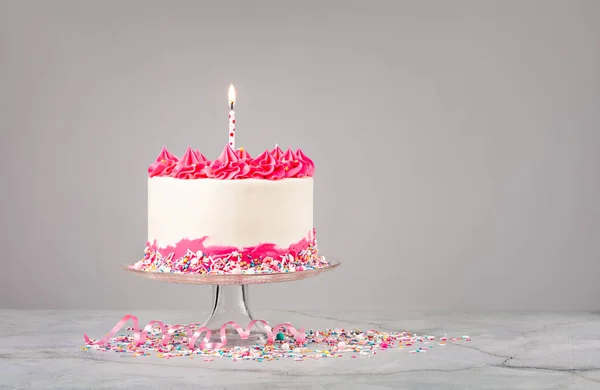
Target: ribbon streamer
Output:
[{"x": 193, "y": 334}]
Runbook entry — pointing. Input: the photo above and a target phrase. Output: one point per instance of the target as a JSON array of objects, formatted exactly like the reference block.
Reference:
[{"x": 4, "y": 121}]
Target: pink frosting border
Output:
[
  {"x": 233, "y": 164},
  {"x": 193, "y": 256}
]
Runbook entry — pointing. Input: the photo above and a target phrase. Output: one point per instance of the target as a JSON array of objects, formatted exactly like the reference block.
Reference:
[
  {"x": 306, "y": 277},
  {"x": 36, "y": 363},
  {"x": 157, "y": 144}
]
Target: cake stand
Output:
[{"x": 231, "y": 299}]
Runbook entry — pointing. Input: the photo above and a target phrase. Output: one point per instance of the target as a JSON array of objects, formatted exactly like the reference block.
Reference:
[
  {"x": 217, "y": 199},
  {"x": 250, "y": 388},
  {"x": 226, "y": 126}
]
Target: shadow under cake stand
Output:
[{"x": 230, "y": 297}]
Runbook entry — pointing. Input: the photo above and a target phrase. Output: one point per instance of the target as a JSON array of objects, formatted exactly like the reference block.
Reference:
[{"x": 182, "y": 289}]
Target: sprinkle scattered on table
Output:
[{"x": 319, "y": 344}]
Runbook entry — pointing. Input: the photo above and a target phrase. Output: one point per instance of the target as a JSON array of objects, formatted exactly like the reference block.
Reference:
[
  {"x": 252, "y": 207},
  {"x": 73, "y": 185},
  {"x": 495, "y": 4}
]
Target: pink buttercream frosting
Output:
[
  {"x": 267, "y": 167},
  {"x": 216, "y": 251},
  {"x": 193, "y": 165},
  {"x": 277, "y": 153},
  {"x": 234, "y": 164},
  {"x": 194, "y": 256},
  {"x": 164, "y": 164},
  {"x": 307, "y": 162},
  {"x": 294, "y": 167},
  {"x": 229, "y": 166},
  {"x": 243, "y": 154}
]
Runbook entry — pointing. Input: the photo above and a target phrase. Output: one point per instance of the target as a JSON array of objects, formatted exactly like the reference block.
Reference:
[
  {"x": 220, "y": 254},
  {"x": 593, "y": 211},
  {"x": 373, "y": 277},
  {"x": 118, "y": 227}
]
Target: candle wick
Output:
[{"x": 231, "y": 106}]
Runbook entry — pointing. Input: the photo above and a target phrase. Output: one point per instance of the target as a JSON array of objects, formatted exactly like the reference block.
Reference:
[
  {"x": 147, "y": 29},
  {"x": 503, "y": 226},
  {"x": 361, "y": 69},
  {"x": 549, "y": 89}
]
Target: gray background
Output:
[{"x": 456, "y": 143}]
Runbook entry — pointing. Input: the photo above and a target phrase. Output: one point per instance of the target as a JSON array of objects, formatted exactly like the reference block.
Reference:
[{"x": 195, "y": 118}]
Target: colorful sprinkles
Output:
[
  {"x": 233, "y": 263},
  {"x": 319, "y": 344}
]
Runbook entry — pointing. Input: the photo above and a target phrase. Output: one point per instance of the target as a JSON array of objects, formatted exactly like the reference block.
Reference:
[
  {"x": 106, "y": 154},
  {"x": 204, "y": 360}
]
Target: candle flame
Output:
[{"x": 231, "y": 95}]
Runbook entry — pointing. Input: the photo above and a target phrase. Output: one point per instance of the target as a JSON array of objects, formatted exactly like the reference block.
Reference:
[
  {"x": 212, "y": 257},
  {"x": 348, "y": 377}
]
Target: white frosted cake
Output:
[{"x": 236, "y": 214}]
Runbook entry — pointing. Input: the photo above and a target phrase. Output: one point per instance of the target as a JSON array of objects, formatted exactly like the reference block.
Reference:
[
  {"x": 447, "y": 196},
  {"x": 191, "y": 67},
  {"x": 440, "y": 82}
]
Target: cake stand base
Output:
[
  {"x": 230, "y": 303},
  {"x": 230, "y": 298}
]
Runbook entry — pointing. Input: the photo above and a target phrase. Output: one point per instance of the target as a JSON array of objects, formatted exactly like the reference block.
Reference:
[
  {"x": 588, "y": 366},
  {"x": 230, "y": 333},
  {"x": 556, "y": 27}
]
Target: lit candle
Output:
[{"x": 232, "y": 116}]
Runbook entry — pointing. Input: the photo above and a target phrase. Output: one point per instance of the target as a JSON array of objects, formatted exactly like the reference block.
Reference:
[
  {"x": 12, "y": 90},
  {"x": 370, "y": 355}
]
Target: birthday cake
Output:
[{"x": 236, "y": 214}]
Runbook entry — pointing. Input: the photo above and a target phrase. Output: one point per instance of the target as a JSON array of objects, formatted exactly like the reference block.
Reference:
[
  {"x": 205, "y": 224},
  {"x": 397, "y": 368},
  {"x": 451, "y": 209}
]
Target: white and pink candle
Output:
[{"x": 232, "y": 117}]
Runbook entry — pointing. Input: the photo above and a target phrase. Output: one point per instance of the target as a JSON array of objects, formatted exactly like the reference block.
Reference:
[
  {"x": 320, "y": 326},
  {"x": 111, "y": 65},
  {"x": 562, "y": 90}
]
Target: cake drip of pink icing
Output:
[
  {"x": 193, "y": 165},
  {"x": 164, "y": 164},
  {"x": 229, "y": 166},
  {"x": 260, "y": 251},
  {"x": 234, "y": 164}
]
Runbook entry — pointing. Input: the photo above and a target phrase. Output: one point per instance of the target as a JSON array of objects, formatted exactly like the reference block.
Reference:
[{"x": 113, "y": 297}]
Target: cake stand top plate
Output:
[{"x": 225, "y": 279}]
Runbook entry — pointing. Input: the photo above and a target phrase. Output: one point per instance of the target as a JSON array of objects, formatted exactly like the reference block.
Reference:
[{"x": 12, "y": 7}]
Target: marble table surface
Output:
[{"x": 508, "y": 350}]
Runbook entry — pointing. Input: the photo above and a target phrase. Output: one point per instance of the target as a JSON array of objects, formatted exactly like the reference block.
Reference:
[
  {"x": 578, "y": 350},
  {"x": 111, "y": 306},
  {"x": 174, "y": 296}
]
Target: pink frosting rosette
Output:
[
  {"x": 164, "y": 164},
  {"x": 267, "y": 167},
  {"x": 229, "y": 166},
  {"x": 277, "y": 153},
  {"x": 307, "y": 162},
  {"x": 234, "y": 164},
  {"x": 294, "y": 167},
  {"x": 193, "y": 165},
  {"x": 243, "y": 154}
]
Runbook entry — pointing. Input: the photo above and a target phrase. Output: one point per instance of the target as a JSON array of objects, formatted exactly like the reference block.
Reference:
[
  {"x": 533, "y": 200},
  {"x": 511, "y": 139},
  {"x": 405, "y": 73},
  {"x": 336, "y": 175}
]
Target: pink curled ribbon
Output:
[{"x": 139, "y": 337}]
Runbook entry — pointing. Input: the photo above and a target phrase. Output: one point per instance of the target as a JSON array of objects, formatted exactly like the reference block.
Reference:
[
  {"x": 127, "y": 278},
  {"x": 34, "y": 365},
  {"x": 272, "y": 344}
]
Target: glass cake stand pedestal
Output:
[{"x": 231, "y": 299}]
